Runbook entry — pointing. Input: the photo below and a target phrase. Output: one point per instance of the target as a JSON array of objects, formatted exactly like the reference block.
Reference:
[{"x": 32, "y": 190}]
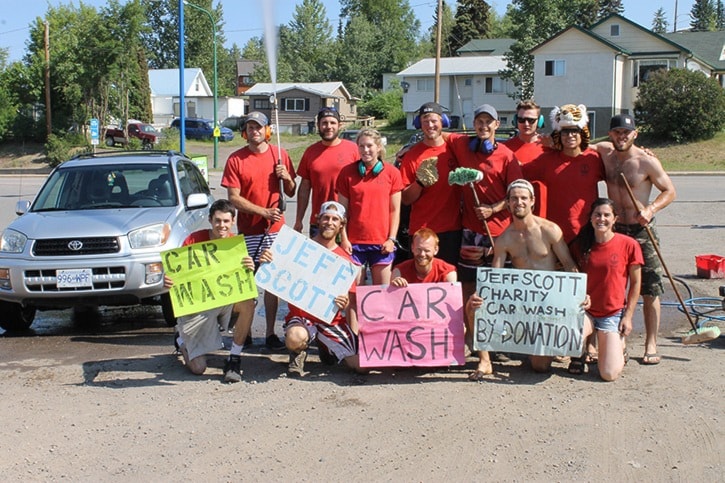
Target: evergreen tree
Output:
[
  {"x": 720, "y": 15},
  {"x": 308, "y": 46},
  {"x": 608, "y": 7},
  {"x": 659, "y": 22},
  {"x": 703, "y": 16},
  {"x": 472, "y": 21}
]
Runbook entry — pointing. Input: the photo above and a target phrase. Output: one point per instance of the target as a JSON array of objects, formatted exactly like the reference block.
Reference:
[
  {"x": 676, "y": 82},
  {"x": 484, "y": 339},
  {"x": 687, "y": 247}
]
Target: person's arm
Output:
[
  {"x": 411, "y": 193},
  {"x": 344, "y": 241},
  {"x": 499, "y": 252},
  {"x": 289, "y": 183},
  {"x": 396, "y": 279},
  {"x": 661, "y": 180},
  {"x": 303, "y": 200},
  {"x": 389, "y": 244},
  {"x": 245, "y": 206},
  {"x": 561, "y": 250},
  {"x": 635, "y": 281},
  {"x": 452, "y": 276}
]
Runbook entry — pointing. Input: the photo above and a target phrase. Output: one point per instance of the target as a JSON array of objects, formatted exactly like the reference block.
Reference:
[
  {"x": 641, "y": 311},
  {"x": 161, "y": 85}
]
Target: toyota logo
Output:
[{"x": 75, "y": 245}]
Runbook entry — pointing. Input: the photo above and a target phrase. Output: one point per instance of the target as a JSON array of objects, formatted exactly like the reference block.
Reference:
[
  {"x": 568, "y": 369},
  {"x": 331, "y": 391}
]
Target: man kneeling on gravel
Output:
[
  {"x": 198, "y": 334},
  {"x": 336, "y": 342}
]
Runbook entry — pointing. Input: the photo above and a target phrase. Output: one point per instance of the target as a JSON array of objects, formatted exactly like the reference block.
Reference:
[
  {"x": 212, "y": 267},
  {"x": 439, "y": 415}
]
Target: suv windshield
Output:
[{"x": 109, "y": 186}]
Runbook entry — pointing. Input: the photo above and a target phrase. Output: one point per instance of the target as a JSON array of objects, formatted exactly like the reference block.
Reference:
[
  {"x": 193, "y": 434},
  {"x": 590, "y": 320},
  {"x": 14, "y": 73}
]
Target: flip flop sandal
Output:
[{"x": 576, "y": 366}]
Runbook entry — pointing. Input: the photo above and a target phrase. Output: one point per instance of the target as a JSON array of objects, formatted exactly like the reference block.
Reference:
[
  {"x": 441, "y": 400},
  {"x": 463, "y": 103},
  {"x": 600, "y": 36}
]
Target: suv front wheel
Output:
[{"x": 15, "y": 317}]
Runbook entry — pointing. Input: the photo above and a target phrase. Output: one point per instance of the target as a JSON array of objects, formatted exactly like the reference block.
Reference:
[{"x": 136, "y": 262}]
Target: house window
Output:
[
  {"x": 645, "y": 68},
  {"x": 468, "y": 82},
  {"x": 494, "y": 85},
  {"x": 260, "y": 104},
  {"x": 614, "y": 30},
  {"x": 556, "y": 68},
  {"x": 247, "y": 79},
  {"x": 294, "y": 104},
  {"x": 426, "y": 85}
]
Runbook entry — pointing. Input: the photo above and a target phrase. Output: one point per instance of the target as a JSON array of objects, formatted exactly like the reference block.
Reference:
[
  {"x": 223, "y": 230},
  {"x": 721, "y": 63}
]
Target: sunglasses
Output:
[
  {"x": 526, "y": 120},
  {"x": 570, "y": 132}
]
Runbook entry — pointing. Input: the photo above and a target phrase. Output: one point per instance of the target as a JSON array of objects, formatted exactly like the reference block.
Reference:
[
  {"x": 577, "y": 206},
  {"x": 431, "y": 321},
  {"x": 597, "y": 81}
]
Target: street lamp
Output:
[{"x": 216, "y": 123}]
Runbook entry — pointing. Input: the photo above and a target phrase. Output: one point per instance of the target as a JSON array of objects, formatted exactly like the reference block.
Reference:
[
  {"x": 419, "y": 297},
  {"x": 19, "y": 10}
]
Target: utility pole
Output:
[
  {"x": 46, "y": 37},
  {"x": 439, "y": 30}
]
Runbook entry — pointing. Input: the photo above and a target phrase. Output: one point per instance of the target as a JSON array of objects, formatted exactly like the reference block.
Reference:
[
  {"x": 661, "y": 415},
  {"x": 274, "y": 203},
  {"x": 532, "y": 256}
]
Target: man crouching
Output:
[{"x": 336, "y": 341}]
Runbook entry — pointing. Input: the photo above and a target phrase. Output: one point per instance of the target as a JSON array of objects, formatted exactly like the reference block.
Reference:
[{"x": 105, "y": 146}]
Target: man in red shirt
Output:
[
  {"x": 570, "y": 173},
  {"x": 320, "y": 165},
  {"x": 336, "y": 341},
  {"x": 198, "y": 334},
  {"x": 251, "y": 177},
  {"x": 437, "y": 205},
  {"x": 424, "y": 267},
  {"x": 527, "y": 145}
]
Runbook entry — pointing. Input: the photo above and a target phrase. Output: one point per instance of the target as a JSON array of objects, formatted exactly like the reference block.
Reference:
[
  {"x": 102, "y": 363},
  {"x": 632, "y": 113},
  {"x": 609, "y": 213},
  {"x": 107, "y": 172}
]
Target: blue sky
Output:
[{"x": 244, "y": 17}]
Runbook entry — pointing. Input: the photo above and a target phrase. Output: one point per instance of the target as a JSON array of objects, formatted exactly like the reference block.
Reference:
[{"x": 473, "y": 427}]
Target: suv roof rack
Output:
[{"x": 105, "y": 154}]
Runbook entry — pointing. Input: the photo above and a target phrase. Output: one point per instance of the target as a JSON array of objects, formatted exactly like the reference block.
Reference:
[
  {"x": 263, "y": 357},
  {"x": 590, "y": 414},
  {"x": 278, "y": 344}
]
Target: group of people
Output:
[{"x": 533, "y": 204}]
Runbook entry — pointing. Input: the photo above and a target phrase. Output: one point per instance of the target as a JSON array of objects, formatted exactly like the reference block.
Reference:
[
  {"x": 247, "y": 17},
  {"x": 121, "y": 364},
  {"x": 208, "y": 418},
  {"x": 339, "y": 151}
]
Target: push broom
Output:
[
  {"x": 468, "y": 176},
  {"x": 696, "y": 335}
]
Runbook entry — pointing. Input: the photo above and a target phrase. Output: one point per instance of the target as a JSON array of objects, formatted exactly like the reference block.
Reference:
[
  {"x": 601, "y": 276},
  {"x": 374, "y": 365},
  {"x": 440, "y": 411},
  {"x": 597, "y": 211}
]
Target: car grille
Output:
[
  {"x": 62, "y": 246},
  {"x": 104, "y": 278}
]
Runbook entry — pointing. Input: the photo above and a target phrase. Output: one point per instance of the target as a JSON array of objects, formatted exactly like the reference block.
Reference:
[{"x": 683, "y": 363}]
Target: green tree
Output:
[
  {"x": 533, "y": 22},
  {"x": 308, "y": 46},
  {"x": 378, "y": 36},
  {"x": 428, "y": 49},
  {"x": 472, "y": 21},
  {"x": 703, "y": 16},
  {"x": 681, "y": 105},
  {"x": 720, "y": 15},
  {"x": 7, "y": 102},
  {"x": 608, "y": 7},
  {"x": 659, "y": 22}
]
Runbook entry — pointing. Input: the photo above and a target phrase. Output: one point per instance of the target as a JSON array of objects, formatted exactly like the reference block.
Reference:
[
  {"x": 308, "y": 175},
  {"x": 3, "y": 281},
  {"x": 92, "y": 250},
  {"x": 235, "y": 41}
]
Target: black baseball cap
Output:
[
  {"x": 624, "y": 121},
  {"x": 328, "y": 112},
  {"x": 430, "y": 107}
]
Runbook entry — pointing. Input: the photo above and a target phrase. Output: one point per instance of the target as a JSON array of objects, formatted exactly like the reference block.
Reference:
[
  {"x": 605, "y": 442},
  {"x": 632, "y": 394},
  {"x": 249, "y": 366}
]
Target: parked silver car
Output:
[{"x": 93, "y": 234}]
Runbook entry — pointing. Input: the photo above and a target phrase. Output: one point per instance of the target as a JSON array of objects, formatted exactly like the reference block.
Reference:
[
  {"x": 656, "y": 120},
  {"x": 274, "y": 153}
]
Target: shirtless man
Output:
[
  {"x": 532, "y": 243},
  {"x": 642, "y": 171}
]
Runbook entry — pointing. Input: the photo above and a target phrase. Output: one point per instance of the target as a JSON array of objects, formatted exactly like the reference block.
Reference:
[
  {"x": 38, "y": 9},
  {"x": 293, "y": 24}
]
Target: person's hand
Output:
[
  {"x": 546, "y": 140},
  {"x": 298, "y": 226},
  {"x": 473, "y": 303},
  {"x": 646, "y": 215},
  {"x": 484, "y": 212},
  {"x": 587, "y": 303},
  {"x": 625, "y": 326},
  {"x": 281, "y": 171},
  {"x": 265, "y": 256},
  {"x": 347, "y": 246},
  {"x": 248, "y": 263},
  {"x": 272, "y": 214},
  {"x": 341, "y": 301},
  {"x": 399, "y": 282},
  {"x": 388, "y": 246},
  {"x": 168, "y": 283}
]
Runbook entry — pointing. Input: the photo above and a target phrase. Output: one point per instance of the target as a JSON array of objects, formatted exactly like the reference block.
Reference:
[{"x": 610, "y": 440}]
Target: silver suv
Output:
[{"x": 93, "y": 234}]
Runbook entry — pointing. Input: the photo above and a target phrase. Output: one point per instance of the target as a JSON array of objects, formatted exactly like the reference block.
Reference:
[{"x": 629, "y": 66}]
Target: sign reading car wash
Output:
[{"x": 417, "y": 325}]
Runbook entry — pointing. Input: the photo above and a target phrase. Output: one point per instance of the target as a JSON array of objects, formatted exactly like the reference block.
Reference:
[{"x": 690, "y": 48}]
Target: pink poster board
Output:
[{"x": 418, "y": 325}]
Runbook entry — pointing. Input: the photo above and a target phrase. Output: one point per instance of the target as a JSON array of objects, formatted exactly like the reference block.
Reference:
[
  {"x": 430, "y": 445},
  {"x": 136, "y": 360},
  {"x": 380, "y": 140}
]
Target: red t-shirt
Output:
[
  {"x": 607, "y": 269},
  {"x": 438, "y": 272},
  {"x": 197, "y": 236},
  {"x": 368, "y": 211},
  {"x": 571, "y": 186},
  {"x": 253, "y": 174},
  {"x": 439, "y": 205},
  {"x": 339, "y": 316},
  {"x": 525, "y": 152},
  {"x": 320, "y": 165},
  {"x": 499, "y": 168}
]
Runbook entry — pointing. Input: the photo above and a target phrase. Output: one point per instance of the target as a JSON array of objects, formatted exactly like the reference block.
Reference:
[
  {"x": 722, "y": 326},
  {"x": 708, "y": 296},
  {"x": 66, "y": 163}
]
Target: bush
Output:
[
  {"x": 680, "y": 105},
  {"x": 170, "y": 139},
  {"x": 385, "y": 105},
  {"x": 57, "y": 149}
]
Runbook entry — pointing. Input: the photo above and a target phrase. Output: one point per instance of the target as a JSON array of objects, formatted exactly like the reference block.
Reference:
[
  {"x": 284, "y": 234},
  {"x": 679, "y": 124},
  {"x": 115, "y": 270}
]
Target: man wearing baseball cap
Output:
[
  {"x": 336, "y": 342},
  {"x": 251, "y": 177},
  {"x": 642, "y": 171},
  {"x": 320, "y": 165},
  {"x": 433, "y": 202}
]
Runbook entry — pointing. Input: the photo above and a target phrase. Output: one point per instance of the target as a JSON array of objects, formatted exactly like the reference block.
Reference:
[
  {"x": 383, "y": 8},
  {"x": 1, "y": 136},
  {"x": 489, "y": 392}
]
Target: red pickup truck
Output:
[{"x": 136, "y": 129}]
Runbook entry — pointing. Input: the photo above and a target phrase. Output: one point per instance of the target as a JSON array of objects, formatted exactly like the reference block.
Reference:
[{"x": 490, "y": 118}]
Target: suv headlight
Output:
[
  {"x": 149, "y": 236},
  {"x": 12, "y": 241}
]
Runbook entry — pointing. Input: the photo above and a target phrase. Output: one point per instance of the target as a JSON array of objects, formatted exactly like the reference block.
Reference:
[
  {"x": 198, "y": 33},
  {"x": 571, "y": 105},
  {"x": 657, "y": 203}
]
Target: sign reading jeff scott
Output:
[
  {"x": 306, "y": 274},
  {"x": 530, "y": 311}
]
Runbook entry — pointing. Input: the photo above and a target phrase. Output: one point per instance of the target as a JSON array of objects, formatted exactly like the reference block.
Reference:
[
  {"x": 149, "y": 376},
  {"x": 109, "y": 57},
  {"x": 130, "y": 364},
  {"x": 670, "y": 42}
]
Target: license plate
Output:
[{"x": 75, "y": 278}]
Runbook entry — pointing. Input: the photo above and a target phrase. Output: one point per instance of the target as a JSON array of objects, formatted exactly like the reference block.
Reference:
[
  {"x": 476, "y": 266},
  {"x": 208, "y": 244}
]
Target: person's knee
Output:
[
  {"x": 296, "y": 338},
  {"x": 197, "y": 365},
  {"x": 540, "y": 364},
  {"x": 609, "y": 375}
]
